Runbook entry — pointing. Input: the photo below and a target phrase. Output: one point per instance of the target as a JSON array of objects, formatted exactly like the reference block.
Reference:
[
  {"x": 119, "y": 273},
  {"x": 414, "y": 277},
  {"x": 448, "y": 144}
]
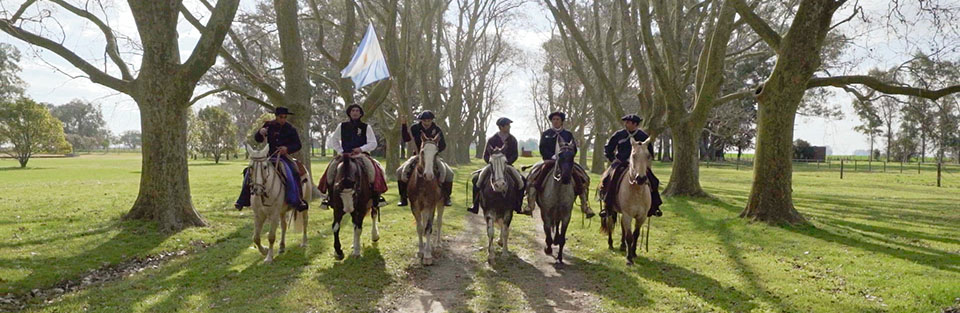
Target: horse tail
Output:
[
  {"x": 609, "y": 222},
  {"x": 297, "y": 220}
]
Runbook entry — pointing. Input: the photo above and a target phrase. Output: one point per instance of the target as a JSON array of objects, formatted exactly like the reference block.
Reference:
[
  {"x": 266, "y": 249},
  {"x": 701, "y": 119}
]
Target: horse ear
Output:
[{"x": 633, "y": 141}]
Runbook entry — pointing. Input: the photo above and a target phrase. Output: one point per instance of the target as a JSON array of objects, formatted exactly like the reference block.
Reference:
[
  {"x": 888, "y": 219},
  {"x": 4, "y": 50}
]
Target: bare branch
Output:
[
  {"x": 205, "y": 53},
  {"x": 770, "y": 36},
  {"x": 95, "y": 74},
  {"x": 878, "y": 85},
  {"x": 23, "y": 7},
  {"x": 112, "y": 48}
]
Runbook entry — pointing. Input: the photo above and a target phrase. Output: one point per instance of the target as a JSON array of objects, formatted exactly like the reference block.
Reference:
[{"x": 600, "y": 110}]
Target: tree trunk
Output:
[
  {"x": 164, "y": 194},
  {"x": 599, "y": 163},
  {"x": 393, "y": 152},
  {"x": 685, "y": 178},
  {"x": 296, "y": 87}
]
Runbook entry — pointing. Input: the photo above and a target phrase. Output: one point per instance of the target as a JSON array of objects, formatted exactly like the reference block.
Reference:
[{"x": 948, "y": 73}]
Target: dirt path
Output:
[{"x": 546, "y": 288}]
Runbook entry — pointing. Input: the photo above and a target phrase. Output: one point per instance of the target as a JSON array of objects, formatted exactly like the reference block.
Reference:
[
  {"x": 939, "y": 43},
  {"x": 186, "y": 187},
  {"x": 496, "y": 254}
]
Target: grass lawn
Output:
[{"x": 879, "y": 242}]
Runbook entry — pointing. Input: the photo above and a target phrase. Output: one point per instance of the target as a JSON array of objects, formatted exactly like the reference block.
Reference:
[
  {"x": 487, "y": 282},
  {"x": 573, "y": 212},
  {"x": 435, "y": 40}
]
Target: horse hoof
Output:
[
  {"x": 427, "y": 261},
  {"x": 548, "y": 251},
  {"x": 500, "y": 243},
  {"x": 375, "y": 239},
  {"x": 303, "y": 244},
  {"x": 355, "y": 254},
  {"x": 339, "y": 256},
  {"x": 623, "y": 248},
  {"x": 268, "y": 261},
  {"x": 282, "y": 250},
  {"x": 629, "y": 263},
  {"x": 491, "y": 261}
]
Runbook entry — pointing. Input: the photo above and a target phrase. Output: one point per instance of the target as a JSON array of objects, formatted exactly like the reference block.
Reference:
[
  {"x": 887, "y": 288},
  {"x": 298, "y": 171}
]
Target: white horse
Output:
[
  {"x": 426, "y": 199},
  {"x": 267, "y": 201}
]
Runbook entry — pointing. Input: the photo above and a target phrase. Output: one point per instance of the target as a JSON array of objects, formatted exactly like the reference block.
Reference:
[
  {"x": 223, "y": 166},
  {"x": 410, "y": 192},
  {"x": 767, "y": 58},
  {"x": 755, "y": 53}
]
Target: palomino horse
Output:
[
  {"x": 556, "y": 201},
  {"x": 267, "y": 201},
  {"x": 426, "y": 198},
  {"x": 499, "y": 197},
  {"x": 633, "y": 198},
  {"x": 352, "y": 194}
]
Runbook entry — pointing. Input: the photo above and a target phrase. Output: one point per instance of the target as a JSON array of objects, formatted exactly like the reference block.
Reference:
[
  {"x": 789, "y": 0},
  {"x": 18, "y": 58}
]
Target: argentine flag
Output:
[{"x": 368, "y": 64}]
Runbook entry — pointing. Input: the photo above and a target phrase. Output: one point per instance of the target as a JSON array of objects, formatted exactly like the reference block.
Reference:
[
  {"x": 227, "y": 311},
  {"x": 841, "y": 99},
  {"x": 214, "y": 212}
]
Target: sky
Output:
[{"x": 49, "y": 77}]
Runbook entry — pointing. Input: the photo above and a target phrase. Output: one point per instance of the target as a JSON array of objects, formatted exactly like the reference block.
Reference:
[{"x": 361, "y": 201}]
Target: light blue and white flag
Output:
[{"x": 368, "y": 64}]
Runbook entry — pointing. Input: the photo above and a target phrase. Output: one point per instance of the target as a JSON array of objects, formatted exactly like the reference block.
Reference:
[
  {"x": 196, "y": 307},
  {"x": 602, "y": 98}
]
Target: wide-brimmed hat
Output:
[{"x": 281, "y": 110}]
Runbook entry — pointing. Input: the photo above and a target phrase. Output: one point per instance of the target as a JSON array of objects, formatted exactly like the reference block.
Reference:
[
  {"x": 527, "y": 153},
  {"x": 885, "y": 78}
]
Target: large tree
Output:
[
  {"x": 161, "y": 88},
  {"x": 29, "y": 128},
  {"x": 10, "y": 83},
  {"x": 799, "y": 57}
]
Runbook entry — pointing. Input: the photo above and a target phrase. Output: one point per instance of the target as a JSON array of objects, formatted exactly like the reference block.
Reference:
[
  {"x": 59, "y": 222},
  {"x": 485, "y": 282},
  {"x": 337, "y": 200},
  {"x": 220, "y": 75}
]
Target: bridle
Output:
[
  {"x": 257, "y": 181},
  {"x": 498, "y": 163},
  {"x": 564, "y": 147},
  {"x": 637, "y": 178},
  {"x": 421, "y": 162}
]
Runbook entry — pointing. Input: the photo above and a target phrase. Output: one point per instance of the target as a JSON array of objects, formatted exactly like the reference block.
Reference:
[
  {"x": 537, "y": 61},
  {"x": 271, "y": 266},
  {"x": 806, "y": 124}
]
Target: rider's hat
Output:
[
  {"x": 426, "y": 115},
  {"x": 563, "y": 116},
  {"x": 503, "y": 121},
  {"x": 632, "y": 117}
]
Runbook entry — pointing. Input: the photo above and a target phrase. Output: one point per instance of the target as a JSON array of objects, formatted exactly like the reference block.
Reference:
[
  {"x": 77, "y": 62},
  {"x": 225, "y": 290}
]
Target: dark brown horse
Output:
[
  {"x": 352, "y": 194},
  {"x": 556, "y": 201}
]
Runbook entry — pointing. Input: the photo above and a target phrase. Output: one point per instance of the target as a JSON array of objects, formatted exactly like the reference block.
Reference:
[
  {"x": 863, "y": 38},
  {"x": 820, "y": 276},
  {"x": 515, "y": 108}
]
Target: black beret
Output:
[
  {"x": 632, "y": 117},
  {"x": 563, "y": 116},
  {"x": 503, "y": 121},
  {"x": 426, "y": 115}
]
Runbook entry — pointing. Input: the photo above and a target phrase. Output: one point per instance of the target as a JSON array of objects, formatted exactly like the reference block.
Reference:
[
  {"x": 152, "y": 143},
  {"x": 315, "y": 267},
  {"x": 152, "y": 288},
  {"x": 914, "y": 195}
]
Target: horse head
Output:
[
  {"x": 564, "y": 166},
  {"x": 348, "y": 183},
  {"x": 260, "y": 169},
  {"x": 640, "y": 159},
  {"x": 428, "y": 154},
  {"x": 498, "y": 164}
]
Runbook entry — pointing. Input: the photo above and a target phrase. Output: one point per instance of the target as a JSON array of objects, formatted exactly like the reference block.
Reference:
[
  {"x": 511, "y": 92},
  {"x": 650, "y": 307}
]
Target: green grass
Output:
[{"x": 872, "y": 236}]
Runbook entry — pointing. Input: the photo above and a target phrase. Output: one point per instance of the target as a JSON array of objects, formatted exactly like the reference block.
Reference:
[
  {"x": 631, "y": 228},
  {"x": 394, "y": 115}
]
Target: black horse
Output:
[{"x": 352, "y": 194}]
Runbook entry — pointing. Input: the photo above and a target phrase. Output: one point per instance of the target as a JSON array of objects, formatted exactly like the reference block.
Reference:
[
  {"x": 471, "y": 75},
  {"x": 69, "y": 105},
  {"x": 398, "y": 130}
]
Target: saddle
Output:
[
  {"x": 611, "y": 184},
  {"x": 538, "y": 177}
]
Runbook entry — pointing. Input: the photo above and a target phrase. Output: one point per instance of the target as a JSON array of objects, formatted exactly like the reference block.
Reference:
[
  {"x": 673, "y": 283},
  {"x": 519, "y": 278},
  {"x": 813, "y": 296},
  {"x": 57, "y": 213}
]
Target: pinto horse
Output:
[
  {"x": 352, "y": 194},
  {"x": 556, "y": 201},
  {"x": 633, "y": 198},
  {"x": 426, "y": 198},
  {"x": 267, "y": 201},
  {"x": 499, "y": 198}
]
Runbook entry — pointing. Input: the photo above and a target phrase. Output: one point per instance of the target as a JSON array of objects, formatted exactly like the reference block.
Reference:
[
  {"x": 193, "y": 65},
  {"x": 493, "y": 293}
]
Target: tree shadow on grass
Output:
[
  {"x": 17, "y": 168},
  {"x": 135, "y": 239},
  {"x": 358, "y": 283},
  {"x": 209, "y": 164}
]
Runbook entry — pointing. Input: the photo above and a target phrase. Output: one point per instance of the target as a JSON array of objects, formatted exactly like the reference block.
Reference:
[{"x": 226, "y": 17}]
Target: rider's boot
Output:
[
  {"x": 402, "y": 188},
  {"x": 447, "y": 188}
]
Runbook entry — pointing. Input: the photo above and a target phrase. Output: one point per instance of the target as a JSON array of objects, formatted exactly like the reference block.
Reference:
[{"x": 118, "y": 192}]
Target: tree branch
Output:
[
  {"x": 95, "y": 74},
  {"x": 770, "y": 36},
  {"x": 878, "y": 85},
  {"x": 205, "y": 53},
  {"x": 23, "y": 7},
  {"x": 112, "y": 48}
]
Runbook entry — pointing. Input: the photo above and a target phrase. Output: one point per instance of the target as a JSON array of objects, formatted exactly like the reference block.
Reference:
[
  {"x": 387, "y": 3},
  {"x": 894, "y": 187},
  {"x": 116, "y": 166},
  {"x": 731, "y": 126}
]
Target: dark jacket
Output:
[
  {"x": 548, "y": 142},
  {"x": 509, "y": 148},
  {"x": 417, "y": 129},
  {"x": 353, "y": 134},
  {"x": 618, "y": 147},
  {"x": 280, "y": 135}
]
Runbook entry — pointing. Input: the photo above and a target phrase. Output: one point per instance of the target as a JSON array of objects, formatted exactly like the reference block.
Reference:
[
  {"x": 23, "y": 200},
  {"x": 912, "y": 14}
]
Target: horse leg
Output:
[
  {"x": 548, "y": 233},
  {"x": 259, "y": 219},
  {"x": 375, "y": 213},
  {"x": 427, "y": 233},
  {"x": 337, "y": 217},
  {"x": 627, "y": 236},
  {"x": 438, "y": 226},
  {"x": 357, "y": 230},
  {"x": 504, "y": 234},
  {"x": 490, "y": 233},
  {"x": 303, "y": 216},
  {"x": 636, "y": 235},
  {"x": 272, "y": 237},
  {"x": 419, "y": 219},
  {"x": 623, "y": 236},
  {"x": 283, "y": 233},
  {"x": 562, "y": 238}
]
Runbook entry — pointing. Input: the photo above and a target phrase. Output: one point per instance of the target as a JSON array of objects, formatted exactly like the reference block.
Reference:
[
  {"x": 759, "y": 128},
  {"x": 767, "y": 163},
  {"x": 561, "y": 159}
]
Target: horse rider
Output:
[
  {"x": 283, "y": 140},
  {"x": 425, "y": 128},
  {"x": 617, "y": 151},
  {"x": 551, "y": 142},
  {"x": 505, "y": 141},
  {"x": 355, "y": 139}
]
